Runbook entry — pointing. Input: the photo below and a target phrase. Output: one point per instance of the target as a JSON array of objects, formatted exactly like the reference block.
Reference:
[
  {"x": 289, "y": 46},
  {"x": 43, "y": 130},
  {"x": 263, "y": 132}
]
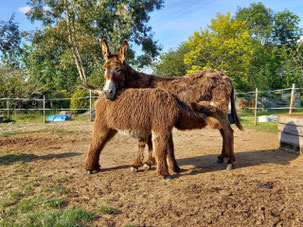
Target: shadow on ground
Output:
[
  {"x": 207, "y": 163},
  {"x": 12, "y": 158}
]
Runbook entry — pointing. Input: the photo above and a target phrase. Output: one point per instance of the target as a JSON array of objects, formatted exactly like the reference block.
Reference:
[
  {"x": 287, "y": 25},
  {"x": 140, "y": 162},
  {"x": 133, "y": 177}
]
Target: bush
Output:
[
  {"x": 77, "y": 103},
  {"x": 57, "y": 104}
]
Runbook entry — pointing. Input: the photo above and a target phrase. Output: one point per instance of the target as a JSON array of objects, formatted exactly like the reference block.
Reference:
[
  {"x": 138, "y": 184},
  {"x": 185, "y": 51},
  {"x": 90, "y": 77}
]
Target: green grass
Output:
[
  {"x": 53, "y": 131},
  {"x": 108, "y": 210},
  {"x": 247, "y": 120},
  {"x": 28, "y": 199}
]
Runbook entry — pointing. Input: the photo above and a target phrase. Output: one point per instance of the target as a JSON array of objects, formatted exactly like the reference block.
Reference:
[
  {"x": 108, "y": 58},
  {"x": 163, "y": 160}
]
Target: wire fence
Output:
[
  {"x": 283, "y": 99},
  {"x": 10, "y": 106}
]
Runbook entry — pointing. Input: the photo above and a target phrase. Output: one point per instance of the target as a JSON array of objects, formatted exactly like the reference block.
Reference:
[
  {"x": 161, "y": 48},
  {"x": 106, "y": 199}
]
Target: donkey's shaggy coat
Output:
[
  {"x": 205, "y": 85},
  {"x": 140, "y": 113}
]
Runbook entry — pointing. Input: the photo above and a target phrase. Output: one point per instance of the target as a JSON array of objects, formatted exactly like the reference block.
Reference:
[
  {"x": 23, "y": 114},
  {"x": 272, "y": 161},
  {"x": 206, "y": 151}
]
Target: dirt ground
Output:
[{"x": 265, "y": 188}]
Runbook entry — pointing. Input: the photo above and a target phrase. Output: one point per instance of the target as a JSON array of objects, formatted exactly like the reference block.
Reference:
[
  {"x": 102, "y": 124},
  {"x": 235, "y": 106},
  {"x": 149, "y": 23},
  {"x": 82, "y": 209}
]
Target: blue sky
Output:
[{"x": 178, "y": 20}]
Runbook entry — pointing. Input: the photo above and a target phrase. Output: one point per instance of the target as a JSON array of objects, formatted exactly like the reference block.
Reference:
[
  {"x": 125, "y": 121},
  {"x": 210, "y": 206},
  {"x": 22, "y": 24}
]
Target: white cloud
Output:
[{"x": 24, "y": 9}]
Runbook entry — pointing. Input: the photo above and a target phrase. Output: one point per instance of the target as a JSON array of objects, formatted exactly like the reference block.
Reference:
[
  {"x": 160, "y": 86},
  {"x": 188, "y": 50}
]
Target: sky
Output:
[{"x": 174, "y": 23}]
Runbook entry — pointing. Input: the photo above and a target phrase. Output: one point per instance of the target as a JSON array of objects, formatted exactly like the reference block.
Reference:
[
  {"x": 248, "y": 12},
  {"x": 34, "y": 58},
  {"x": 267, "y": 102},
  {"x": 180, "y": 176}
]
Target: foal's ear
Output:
[
  {"x": 123, "y": 51},
  {"x": 105, "y": 50}
]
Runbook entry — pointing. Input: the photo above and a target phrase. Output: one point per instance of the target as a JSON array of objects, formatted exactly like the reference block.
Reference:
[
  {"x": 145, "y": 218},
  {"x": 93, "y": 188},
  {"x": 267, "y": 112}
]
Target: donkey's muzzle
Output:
[{"x": 109, "y": 94}]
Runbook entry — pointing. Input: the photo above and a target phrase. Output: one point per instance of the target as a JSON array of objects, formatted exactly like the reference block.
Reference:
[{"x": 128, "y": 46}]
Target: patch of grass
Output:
[
  {"x": 23, "y": 204},
  {"x": 53, "y": 131},
  {"x": 56, "y": 188},
  {"x": 68, "y": 217},
  {"x": 247, "y": 120},
  {"x": 108, "y": 210}
]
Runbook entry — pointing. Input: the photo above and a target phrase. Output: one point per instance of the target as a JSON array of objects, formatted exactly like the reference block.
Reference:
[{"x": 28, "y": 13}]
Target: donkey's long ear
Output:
[
  {"x": 105, "y": 49},
  {"x": 123, "y": 51}
]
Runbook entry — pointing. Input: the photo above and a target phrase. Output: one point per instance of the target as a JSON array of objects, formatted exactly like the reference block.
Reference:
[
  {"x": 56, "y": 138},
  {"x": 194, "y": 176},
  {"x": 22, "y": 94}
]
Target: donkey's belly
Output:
[{"x": 134, "y": 133}]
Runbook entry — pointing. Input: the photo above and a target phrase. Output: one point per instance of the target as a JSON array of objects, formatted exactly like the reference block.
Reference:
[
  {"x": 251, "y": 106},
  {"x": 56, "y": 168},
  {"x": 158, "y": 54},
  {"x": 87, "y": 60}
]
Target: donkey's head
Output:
[
  {"x": 207, "y": 113},
  {"x": 114, "y": 75}
]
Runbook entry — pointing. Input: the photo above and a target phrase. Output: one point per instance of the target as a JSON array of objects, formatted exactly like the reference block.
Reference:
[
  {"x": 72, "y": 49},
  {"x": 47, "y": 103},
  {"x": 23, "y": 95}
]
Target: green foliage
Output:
[
  {"x": 276, "y": 53},
  {"x": 259, "y": 21},
  {"x": 171, "y": 63},
  {"x": 286, "y": 29},
  {"x": 225, "y": 46},
  {"x": 10, "y": 39},
  {"x": 60, "y": 103},
  {"x": 77, "y": 103},
  {"x": 92, "y": 20}
]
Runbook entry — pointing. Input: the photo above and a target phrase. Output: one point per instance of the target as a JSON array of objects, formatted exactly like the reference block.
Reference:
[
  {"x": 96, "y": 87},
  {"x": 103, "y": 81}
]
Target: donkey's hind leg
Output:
[
  {"x": 223, "y": 152},
  {"x": 151, "y": 160},
  {"x": 98, "y": 141},
  {"x": 171, "y": 155},
  {"x": 140, "y": 156}
]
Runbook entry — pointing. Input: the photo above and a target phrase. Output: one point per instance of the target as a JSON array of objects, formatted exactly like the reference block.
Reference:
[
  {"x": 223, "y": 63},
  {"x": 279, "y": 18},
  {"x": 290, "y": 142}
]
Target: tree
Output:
[
  {"x": 286, "y": 30},
  {"x": 275, "y": 39},
  {"x": 259, "y": 21},
  {"x": 10, "y": 40},
  {"x": 225, "y": 46},
  {"x": 171, "y": 63}
]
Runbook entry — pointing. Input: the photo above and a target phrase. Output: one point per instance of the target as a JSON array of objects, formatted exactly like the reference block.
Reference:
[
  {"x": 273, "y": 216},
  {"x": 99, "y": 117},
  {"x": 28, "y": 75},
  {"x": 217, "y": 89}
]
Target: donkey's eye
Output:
[{"x": 118, "y": 70}]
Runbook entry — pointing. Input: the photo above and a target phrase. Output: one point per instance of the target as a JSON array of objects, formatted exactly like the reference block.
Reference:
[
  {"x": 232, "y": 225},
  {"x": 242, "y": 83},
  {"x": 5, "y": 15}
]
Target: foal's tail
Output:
[{"x": 234, "y": 114}]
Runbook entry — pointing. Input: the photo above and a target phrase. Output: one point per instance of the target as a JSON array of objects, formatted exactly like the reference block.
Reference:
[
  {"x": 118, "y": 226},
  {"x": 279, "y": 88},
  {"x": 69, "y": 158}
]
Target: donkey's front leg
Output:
[
  {"x": 140, "y": 156},
  {"x": 98, "y": 141},
  {"x": 161, "y": 146}
]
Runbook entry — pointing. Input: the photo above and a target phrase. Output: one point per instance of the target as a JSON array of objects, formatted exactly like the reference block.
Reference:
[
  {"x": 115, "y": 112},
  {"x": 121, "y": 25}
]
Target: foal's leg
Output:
[
  {"x": 223, "y": 152},
  {"x": 171, "y": 155},
  {"x": 140, "y": 156},
  {"x": 98, "y": 141},
  {"x": 161, "y": 146},
  {"x": 151, "y": 160}
]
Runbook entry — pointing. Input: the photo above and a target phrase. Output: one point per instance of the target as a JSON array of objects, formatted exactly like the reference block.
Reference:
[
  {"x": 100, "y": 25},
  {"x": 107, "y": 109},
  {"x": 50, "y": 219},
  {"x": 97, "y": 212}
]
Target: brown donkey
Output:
[
  {"x": 140, "y": 113},
  {"x": 206, "y": 85}
]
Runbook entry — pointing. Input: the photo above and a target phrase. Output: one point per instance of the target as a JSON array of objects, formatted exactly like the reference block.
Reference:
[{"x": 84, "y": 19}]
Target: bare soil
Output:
[{"x": 265, "y": 188}]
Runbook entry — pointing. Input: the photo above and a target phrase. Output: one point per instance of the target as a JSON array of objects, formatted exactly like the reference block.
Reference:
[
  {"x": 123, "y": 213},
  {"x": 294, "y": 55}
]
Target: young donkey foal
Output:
[{"x": 140, "y": 113}]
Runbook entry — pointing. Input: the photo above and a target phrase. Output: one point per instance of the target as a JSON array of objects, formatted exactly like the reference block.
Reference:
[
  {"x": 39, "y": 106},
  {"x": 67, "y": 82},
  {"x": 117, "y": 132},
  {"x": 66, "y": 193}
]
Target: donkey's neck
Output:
[{"x": 137, "y": 79}]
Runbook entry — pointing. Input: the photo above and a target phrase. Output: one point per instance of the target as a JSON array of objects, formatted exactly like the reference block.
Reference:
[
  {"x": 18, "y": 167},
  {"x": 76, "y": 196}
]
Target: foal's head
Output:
[{"x": 114, "y": 75}]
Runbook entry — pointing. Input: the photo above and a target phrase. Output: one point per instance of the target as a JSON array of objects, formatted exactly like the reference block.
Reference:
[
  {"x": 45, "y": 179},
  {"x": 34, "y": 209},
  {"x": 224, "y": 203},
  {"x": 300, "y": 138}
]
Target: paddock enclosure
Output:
[{"x": 264, "y": 189}]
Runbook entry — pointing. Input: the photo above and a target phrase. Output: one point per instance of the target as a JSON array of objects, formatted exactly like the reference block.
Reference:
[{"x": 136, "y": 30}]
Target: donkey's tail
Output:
[{"x": 234, "y": 114}]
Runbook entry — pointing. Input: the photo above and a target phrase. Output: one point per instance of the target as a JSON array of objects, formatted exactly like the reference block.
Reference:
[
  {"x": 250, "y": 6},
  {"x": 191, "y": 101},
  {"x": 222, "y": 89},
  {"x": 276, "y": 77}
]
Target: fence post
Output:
[
  {"x": 292, "y": 98},
  {"x": 44, "y": 119},
  {"x": 90, "y": 105},
  {"x": 7, "y": 108},
  {"x": 256, "y": 106}
]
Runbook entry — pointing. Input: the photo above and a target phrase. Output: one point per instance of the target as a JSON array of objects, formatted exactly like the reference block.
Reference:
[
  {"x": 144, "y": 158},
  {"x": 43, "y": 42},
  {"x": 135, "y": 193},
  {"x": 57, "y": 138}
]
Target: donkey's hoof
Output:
[
  {"x": 133, "y": 169},
  {"x": 98, "y": 169},
  {"x": 229, "y": 166},
  {"x": 220, "y": 161},
  {"x": 89, "y": 172},
  {"x": 146, "y": 167},
  {"x": 168, "y": 178}
]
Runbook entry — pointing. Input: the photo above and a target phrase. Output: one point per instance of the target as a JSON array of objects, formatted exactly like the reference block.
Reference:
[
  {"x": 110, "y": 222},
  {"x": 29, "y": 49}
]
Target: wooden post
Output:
[
  {"x": 292, "y": 96},
  {"x": 44, "y": 119},
  {"x": 256, "y": 106},
  {"x": 7, "y": 108},
  {"x": 90, "y": 105}
]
